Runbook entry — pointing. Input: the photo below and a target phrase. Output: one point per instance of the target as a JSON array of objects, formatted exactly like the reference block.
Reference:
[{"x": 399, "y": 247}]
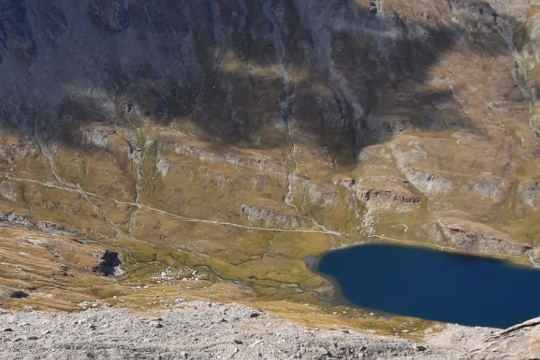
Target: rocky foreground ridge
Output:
[{"x": 205, "y": 330}]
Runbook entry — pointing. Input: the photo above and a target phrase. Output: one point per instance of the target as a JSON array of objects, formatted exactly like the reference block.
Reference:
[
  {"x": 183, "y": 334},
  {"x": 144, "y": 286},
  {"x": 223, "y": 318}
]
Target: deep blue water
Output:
[{"x": 435, "y": 285}]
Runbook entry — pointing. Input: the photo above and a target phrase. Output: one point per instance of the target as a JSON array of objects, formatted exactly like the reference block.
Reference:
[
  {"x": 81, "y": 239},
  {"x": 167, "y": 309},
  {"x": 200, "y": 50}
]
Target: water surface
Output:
[{"x": 435, "y": 285}]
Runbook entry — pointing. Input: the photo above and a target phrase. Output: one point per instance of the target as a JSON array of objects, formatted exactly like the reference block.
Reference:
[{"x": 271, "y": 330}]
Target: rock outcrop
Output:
[
  {"x": 518, "y": 342},
  {"x": 478, "y": 238},
  {"x": 529, "y": 193},
  {"x": 385, "y": 190}
]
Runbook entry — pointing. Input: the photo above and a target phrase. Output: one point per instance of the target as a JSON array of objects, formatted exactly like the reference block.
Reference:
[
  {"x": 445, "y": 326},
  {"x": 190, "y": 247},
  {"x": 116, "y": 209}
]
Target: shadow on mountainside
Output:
[{"x": 344, "y": 74}]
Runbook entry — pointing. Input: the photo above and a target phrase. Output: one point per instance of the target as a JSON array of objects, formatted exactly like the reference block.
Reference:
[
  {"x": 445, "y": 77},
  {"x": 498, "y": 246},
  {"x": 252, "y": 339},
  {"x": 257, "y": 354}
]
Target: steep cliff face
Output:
[{"x": 242, "y": 136}]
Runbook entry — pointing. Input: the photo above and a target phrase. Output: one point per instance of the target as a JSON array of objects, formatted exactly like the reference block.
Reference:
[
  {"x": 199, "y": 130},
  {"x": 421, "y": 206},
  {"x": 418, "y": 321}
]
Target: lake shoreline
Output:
[{"x": 408, "y": 281}]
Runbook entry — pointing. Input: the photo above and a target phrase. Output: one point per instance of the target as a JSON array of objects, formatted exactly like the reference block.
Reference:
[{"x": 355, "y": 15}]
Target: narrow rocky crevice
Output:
[
  {"x": 286, "y": 98},
  {"x": 193, "y": 114},
  {"x": 507, "y": 32},
  {"x": 354, "y": 199},
  {"x": 304, "y": 194},
  {"x": 45, "y": 154},
  {"x": 135, "y": 153},
  {"x": 289, "y": 197}
]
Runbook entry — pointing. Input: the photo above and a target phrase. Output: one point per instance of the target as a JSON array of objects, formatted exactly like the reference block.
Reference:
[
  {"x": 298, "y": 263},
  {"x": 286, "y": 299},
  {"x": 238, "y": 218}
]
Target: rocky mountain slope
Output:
[
  {"x": 221, "y": 142},
  {"x": 198, "y": 330},
  {"x": 204, "y": 330}
]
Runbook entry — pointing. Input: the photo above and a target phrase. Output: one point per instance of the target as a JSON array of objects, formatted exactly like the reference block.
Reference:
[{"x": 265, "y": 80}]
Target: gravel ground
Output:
[{"x": 199, "y": 330}]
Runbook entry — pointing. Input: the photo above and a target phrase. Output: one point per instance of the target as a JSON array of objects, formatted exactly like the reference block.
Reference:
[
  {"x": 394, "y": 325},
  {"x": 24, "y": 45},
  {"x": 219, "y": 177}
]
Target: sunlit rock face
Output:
[{"x": 245, "y": 135}]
